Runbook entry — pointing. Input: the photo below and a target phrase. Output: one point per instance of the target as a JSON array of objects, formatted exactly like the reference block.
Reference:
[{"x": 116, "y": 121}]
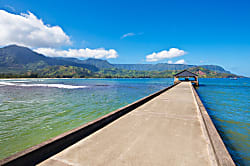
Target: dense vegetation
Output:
[
  {"x": 17, "y": 62},
  {"x": 78, "y": 72}
]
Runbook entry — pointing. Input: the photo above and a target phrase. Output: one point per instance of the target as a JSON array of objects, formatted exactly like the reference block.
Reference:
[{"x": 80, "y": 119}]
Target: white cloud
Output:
[
  {"x": 28, "y": 30},
  {"x": 131, "y": 34},
  {"x": 181, "y": 61},
  {"x": 79, "y": 53},
  {"x": 127, "y": 35},
  {"x": 172, "y": 53}
]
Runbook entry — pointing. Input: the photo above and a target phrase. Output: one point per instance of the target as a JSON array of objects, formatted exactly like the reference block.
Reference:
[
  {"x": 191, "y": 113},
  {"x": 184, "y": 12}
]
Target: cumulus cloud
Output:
[
  {"x": 181, "y": 61},
  {"x": 172, "y": 53},
  {"x": 170, "y": 62},
  {"x": 28, "y": 30},
  {"x": 79, "y": 53}
]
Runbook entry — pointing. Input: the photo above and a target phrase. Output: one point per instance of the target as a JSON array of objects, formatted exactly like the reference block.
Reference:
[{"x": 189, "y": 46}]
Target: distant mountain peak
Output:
[
  {"x": 12, "y": 45},
  {"x": 17, "y": 46},
  {"x": 23, "y": 58},
  {"x": 17, "y": 49}
]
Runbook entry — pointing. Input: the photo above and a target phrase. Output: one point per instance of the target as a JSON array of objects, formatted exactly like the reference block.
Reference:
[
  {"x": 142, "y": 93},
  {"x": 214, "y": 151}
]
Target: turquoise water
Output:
[
  {"x": 227, "y": 102},
  {"x": 34, "y": 110}
]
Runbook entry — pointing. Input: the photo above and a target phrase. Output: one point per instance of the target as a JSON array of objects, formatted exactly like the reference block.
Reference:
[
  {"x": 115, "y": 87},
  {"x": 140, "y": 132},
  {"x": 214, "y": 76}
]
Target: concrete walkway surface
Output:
[{"x": 167, "y": 130}]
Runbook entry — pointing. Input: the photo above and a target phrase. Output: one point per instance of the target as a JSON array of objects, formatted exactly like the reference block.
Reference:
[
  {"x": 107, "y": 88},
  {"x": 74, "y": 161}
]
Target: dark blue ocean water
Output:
[
  {"x": 228, "y": 104},
  {"x": 34, "y": 110}
]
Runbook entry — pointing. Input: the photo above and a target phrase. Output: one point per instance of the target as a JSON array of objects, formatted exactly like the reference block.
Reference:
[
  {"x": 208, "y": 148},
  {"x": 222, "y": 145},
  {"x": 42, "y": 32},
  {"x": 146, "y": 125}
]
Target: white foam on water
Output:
[
  {"x": 63, "y": 86},
  {"x": 19, "y": 81},
  {"x": 53, "y": 86},
  {"x": 22, "y": 80},
  {"x": 7, "y": 83}
]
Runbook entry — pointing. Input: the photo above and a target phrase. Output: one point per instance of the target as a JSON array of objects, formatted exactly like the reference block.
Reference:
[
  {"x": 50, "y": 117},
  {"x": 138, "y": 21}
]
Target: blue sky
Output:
[{"x": 209, "y": 32}]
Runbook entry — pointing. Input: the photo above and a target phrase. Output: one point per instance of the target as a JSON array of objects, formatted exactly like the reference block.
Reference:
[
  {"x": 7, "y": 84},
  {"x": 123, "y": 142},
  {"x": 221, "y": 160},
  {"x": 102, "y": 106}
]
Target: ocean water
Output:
[
  {"x": 228, "y": 104},
  {"x": 34, "y": 110}
]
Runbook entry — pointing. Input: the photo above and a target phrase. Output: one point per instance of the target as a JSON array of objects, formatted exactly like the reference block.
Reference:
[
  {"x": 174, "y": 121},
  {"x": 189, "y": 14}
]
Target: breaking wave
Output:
[
  {"x": 19, "y": 81},
  {"x": 63, "y": 86}
]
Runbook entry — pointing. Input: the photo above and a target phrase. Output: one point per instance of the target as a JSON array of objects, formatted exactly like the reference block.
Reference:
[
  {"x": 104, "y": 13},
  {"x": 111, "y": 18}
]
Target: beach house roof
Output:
[{"x": 185, "y": 73}]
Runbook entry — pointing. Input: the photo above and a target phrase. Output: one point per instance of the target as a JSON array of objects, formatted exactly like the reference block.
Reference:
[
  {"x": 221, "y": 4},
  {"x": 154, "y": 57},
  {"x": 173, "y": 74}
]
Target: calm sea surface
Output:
[
  {"x": 228, "y": 104},
  {"x": 34, "y": 110}
]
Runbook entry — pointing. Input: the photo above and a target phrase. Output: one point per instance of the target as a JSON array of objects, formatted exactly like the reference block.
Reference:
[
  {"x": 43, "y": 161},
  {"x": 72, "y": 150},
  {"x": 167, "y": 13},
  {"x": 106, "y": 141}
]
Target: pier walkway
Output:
[{"x": 167, "y": 130}]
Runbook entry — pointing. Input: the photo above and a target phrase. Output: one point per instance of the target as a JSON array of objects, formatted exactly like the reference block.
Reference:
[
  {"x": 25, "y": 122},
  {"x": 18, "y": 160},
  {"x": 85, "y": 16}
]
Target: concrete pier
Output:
[{"x": 167, "y": 130}]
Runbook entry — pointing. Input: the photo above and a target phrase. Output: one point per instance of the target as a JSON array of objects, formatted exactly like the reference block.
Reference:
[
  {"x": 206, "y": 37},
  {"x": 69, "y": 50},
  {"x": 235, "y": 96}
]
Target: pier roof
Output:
[{"x": 185, "y": 73}]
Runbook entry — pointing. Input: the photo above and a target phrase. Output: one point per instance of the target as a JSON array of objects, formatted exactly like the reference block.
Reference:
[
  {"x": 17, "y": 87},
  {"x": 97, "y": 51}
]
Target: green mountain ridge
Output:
[
  {"x": 16, "y": 61},
  {"x": 17, "y": 58},
  {"x": 104, "y": 64},
  {"x": 166, "y": 66}
]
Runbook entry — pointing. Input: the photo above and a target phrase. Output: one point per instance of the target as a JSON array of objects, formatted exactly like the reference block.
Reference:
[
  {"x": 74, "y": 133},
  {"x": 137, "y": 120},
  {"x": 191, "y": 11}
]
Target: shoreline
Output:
[
  {"x": 116, "y": 78},
  {"x": 76, "y": 78}
]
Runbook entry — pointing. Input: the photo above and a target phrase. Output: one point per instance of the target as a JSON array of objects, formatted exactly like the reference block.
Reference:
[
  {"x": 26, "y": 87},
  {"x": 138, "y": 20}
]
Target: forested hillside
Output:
[{"x": 16, "y": 61}]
